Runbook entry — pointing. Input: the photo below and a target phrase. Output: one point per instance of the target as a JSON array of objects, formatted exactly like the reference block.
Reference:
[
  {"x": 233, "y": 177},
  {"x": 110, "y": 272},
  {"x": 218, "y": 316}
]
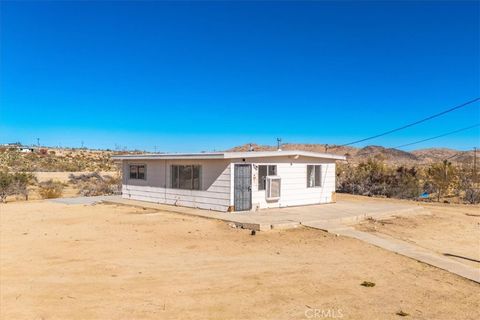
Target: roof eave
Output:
[{"x": 229, "y": 155}]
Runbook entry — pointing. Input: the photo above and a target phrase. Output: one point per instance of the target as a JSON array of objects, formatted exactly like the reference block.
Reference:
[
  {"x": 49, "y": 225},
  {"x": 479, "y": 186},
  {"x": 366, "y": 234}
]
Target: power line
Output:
[
  {"x": 414, "y": 123},
  {"x": 439, "y": 136},
  {"x": 456, "y": 155}
]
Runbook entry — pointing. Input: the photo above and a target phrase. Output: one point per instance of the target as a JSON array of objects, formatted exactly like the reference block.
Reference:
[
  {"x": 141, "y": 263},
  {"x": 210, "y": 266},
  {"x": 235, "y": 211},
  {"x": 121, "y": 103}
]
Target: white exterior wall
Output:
[
  {"x": 215, "y": 184},
  {"x": 294, "y": 191},
  {"x": 217, "y": 189}
]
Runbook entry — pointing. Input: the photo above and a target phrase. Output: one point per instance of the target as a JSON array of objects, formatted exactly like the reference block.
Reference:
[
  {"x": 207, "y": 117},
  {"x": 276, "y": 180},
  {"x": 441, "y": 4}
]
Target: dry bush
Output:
[
  {"x": 375, "y": 178},
  {"x": 472, "y": 196},
  {"x": 5, "y": 185},
  {"x": 93, "y": 184},
  {"x": 50, "y": 189}
]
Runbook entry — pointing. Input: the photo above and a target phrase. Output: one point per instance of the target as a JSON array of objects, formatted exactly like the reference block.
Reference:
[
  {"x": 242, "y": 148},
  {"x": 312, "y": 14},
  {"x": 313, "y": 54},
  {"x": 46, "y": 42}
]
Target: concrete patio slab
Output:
[
  {"x": 342, "y": 212},
  {"x": 84, "y": 200}
]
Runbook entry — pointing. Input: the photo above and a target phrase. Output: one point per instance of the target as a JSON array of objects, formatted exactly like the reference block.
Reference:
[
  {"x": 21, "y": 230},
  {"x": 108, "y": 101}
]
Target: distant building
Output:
[
  {"x": 26, "y": 149},
  {"x": 19, "y": 147}
]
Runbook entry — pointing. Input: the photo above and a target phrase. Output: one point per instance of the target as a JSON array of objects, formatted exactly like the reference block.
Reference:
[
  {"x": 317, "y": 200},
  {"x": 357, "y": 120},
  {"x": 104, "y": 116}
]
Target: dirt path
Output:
[{"x": 107, "y": 262}]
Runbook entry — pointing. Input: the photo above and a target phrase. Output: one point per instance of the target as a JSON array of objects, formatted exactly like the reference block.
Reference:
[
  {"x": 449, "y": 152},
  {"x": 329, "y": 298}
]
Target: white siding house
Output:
[{"x": 230, "y": 181}]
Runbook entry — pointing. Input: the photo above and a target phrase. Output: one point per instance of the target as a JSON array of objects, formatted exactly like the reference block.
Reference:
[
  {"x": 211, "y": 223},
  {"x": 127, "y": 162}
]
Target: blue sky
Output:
[{"x": 199, "y": 76}]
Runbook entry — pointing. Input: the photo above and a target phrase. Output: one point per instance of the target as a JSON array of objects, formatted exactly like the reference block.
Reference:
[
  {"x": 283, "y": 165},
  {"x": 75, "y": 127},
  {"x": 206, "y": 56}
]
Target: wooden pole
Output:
[{"x": 474, "y": 165}]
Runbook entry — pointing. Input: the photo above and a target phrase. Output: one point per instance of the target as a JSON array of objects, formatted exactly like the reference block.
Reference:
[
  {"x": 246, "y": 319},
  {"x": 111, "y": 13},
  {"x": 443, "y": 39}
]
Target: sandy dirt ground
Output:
[
  {"x": 114, "y": 262},
  {"x": 451, "y": 230}
]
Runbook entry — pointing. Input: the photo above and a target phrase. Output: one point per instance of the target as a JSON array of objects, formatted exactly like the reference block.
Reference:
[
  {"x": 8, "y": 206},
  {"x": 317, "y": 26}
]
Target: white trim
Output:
[{"x": 229, "y": 155}]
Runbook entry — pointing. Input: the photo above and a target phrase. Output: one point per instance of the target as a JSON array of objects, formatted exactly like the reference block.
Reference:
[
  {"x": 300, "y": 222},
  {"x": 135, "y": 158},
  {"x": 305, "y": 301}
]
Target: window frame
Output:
[
  {"x": 176, "y": 184},
  {"x": 262, "y": 182},
  {"x": 137, "y": 165},
  {"x": 268, "y": 191},
  {"x": 316, "y": 184}
]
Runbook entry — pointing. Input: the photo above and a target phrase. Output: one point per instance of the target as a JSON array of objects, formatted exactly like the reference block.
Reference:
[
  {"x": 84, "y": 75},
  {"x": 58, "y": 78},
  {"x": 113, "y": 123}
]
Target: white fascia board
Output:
[{"x": 228, "y": 155}]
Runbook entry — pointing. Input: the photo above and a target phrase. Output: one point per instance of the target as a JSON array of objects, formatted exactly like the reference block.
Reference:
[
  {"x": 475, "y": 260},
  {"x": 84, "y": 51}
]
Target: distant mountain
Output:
[
  {"x": 389, "y": 155},
  {"x": 439, "y": 154},
  {"x": 386, "y": 154}
]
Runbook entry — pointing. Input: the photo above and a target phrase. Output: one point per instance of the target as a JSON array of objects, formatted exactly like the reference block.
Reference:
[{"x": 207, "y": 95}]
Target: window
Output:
[
  {"x": 273, "y": 188},
  {"x": 263, "y": 172},
  {"x": 314, "y": 176},
  {"x": 186, "y": 177},
  {"x": 138, "y": 171}
]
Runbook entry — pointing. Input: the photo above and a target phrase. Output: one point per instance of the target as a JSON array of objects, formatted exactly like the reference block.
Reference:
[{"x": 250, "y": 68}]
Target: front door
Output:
[{"x": 243, "y": 187}]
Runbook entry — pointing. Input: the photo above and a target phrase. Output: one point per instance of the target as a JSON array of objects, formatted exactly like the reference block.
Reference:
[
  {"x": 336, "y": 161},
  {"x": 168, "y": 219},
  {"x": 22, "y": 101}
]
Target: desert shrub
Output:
[
  {"x": 472, "y": 196},
  {"x": 93, "y": 184},
  {"x": 404, "y": 183},
  {"x": 374, "y": 178},
  {"x": 50, "y": 189},
  {"x": 5, "y": 185},
  {"x": 442, "y": 177},
  {"x": 367, "y": 178},
  {"x": 15, "y": 184}
]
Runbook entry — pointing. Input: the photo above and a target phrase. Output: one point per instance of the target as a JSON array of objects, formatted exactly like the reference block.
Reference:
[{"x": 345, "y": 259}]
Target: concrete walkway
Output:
[{"x": 405, "y": 249}]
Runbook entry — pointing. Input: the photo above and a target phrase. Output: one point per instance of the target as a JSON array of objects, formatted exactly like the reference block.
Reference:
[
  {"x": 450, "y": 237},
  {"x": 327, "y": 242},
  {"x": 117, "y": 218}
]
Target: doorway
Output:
[{"x": 242, "y": 187}]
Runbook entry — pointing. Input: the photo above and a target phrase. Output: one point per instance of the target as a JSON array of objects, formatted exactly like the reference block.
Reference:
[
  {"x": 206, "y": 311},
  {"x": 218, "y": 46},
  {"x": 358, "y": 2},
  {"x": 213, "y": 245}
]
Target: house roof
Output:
[{"x": 229, "y": 155}]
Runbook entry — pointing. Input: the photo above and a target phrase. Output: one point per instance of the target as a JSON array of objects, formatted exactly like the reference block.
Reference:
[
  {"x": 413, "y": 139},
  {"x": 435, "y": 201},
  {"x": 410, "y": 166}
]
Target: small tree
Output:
[
  {"x": 20, "y": 183},
  {"x": 441, "y": 176},
  {"x": 5, "y": 185},
  {"x": 15, "y": 184}
]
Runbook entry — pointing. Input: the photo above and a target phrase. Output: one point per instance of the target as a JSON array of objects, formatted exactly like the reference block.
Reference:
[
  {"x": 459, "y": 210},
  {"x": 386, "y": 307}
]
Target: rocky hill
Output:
[{"x": 389, "y": 155}]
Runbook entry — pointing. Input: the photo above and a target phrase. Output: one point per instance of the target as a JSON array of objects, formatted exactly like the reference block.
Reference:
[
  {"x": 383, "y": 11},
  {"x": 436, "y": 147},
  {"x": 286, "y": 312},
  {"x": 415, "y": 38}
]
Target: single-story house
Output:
[
  {"x": 26, "y": 149},
  {"x": 230, "y": 181}
]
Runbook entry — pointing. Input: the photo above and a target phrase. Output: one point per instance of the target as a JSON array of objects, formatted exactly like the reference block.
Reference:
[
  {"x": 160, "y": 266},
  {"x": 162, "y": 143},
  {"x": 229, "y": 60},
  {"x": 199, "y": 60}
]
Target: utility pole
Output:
[
  {"x": 474, "y": 165},
  {"x": 38, "y": 142}
]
